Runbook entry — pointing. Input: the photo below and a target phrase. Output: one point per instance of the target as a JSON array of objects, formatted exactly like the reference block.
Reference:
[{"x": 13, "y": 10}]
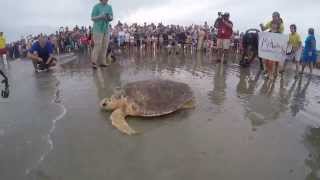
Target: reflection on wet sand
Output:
[
  {"x": 247, "y": 83},
  {"x": 107, "y": 81},
  {"x": 263, "y": 101},
  {"x": 218, "y": 94},
  {"x": 299, "y": 98},
  {"x": 271, "y": 99},
  {"x": 312, "y": 141},
  {"x": 240, "y": 118}
]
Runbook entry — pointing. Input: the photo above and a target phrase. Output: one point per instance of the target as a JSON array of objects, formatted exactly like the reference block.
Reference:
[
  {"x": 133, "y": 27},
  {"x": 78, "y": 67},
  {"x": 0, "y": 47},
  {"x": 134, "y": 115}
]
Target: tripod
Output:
[{"x": 4, "y": 93}]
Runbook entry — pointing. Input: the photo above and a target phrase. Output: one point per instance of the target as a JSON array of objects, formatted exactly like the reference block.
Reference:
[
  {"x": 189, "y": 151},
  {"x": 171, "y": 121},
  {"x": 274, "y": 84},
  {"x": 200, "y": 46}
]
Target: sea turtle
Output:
[{"x": 148, "y": 98}]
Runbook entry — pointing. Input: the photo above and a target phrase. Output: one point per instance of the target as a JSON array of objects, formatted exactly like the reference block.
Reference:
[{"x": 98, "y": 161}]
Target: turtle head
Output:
[
  {"x": 111, "y": 103},
  {"x": 105, "y": 104}
]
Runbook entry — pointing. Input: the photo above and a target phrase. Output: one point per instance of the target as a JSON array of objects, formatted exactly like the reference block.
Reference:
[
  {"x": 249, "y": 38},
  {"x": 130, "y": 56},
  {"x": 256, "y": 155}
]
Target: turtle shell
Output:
[{"x": 157, "y": 97}]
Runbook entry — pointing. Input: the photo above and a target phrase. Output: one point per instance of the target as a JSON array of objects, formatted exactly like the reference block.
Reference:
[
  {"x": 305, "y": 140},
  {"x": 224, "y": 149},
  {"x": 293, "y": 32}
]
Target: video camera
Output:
[{"x": 222, "y": 15}]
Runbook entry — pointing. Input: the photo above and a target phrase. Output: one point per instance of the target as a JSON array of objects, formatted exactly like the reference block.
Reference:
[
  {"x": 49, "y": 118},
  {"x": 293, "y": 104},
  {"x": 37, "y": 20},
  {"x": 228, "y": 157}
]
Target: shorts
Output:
[
  {"x": 309, "y": 59},
  {"x": 223, "y": 44},
  {"x": 43, "y": 65},
  {"x": 295, "y": 56},
  {"x": 3, "y": 51}
]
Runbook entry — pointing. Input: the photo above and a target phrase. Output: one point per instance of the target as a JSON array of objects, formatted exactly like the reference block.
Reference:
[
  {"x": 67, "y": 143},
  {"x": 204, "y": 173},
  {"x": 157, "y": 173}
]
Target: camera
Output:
[
  {"x": 223, "y": 15},
  {"x": 219, "y": 19},
  {"x": 108, "y": 17}
]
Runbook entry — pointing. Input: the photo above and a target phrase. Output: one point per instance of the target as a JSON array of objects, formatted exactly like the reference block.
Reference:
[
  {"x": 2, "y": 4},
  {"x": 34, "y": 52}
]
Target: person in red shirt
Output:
[
  {"x": 85, "y": 43},
  {"x": 225, "y": 31}
]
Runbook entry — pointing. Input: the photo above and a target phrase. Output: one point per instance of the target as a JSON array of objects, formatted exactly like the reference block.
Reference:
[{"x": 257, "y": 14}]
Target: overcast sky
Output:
[{"x": 20, "y": 17}]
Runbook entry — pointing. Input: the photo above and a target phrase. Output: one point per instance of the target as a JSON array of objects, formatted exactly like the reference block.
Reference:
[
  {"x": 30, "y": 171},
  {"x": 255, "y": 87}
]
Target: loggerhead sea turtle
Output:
[{"x": 148, "y": 98}]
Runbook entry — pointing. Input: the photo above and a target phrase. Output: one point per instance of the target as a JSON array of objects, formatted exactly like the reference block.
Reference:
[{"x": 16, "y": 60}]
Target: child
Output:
[{"x": 309, "y": 56}]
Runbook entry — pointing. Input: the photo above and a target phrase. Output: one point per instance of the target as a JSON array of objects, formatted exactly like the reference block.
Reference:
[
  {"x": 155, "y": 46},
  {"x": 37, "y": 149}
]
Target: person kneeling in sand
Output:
[{"x": 41, "y": 54}]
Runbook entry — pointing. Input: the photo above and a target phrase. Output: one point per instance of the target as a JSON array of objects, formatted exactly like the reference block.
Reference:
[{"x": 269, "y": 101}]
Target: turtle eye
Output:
[{"x": 108, "y": 102}]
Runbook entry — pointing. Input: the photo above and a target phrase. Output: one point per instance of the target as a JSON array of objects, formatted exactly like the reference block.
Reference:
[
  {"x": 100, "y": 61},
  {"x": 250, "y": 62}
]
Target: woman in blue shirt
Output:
[{"x": 309, "y": 56}]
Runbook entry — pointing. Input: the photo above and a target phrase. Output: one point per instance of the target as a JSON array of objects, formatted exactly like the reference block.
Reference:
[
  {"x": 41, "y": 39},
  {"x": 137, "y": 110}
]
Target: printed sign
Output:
[{"x": 273, "y": 46}]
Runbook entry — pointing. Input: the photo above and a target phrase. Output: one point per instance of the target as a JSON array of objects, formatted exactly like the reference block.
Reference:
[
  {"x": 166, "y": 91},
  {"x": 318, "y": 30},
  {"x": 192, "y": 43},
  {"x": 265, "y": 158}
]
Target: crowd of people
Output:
[
  {"x": 145, "y": 37},
  {"x": 63, "y": 40},
  {"x": 309, "y": 51},
  {"x": 99, "y": 41},
  {"x": 173, "y": 39}
]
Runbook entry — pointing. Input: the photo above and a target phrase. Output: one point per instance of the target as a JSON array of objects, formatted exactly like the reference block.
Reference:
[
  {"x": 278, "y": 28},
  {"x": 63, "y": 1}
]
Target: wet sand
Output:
[{"x": 51, "y": 128}]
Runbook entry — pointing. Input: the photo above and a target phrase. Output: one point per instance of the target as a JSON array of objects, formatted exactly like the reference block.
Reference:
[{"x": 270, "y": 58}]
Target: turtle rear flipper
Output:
[
  {"x": 189, "y": 105},
  {"x": 119, "y": 121}
]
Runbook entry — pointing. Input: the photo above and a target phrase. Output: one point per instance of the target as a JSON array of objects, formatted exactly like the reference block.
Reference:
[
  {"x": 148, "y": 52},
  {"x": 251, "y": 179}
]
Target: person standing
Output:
[
  {"x": 309, "y": 55},
  {"x": 274, "y": 26},
  {"x": 201, "y": 38},
  {"x": 3, "y": 50},
  {"x": 225, "y": 31},
  {"x": 101, "y": 16},
  {"x": 295, "y": 43}
]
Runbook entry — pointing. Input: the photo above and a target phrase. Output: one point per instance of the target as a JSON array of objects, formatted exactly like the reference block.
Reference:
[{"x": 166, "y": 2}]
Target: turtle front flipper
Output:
[{"x": 119, "y": 121}]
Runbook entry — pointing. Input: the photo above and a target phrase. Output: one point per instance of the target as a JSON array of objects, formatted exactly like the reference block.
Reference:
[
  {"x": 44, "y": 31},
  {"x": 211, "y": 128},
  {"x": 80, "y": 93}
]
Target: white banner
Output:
[{"x": 273, "y": 46}]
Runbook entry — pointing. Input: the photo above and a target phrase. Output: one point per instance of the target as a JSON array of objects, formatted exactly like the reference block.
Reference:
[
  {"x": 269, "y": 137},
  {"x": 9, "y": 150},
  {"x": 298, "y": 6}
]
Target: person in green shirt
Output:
[{"x": 101, "y": 16}]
